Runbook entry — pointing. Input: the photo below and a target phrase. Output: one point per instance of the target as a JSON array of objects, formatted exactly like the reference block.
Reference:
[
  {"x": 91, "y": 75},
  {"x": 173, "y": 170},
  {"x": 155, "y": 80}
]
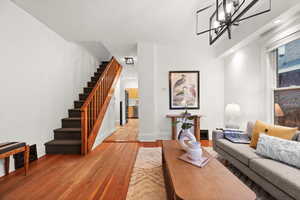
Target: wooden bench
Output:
[{"x": 11, "y": 148}]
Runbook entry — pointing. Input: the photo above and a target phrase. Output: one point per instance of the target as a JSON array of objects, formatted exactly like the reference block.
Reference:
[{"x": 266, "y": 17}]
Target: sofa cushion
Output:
[
  {"x": 286, "y": 151},
  {"x": 282, "y": 132},
  {"x": 277, "y": 131},
  {"x": 249, "y": 129},
  {"x": 241, "y": 152},
  {"x": 281, "y": 175},
  {"x": 296, "y": 137},
  {"x": 259, "y": 127}
]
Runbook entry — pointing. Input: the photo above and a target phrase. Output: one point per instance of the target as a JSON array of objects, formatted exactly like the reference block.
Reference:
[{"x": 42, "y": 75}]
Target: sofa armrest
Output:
[{"x": 216, "y": 135}]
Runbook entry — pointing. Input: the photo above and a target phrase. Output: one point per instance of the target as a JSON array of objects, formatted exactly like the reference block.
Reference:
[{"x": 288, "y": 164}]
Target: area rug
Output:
[
  {"x": 261, "y": 194},
  {"x": 147, "y": 182}
]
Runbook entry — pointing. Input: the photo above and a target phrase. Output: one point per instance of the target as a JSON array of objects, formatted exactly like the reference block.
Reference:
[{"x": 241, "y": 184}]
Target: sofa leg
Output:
[{"x": 226, "y": 163}]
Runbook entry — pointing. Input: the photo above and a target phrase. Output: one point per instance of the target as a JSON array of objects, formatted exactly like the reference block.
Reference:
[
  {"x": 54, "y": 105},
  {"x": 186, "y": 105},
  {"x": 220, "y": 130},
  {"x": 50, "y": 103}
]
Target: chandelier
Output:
[{"x": 229, "y": 13}]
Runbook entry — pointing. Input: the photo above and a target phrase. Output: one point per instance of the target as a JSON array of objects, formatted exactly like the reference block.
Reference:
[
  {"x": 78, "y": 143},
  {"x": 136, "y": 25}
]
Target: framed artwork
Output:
[{"x": 184, "y": 90}]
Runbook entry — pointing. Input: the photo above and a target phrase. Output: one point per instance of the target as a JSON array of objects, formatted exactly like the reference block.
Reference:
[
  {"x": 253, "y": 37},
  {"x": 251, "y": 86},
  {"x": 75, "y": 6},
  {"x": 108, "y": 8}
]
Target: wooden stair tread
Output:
[
  {"x": 64, "y": 142},
  {"x": 72, "y": 118},
  {"x": 75, "y": 109},
  {"x": 67, "y": 130}
]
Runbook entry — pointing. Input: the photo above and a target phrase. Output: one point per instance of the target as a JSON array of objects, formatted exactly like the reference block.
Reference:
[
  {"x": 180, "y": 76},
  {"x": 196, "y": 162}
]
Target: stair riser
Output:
[
  {"x": 94, "y": 79},
  {"x": 63, "y": 149},
  {"x": 71, "y": 124},
  {"x": 97, "y": 74},
  {"x": 78, "y": 104},
  {"x": 91, "y": 84},
  {"x": 87, "y": 90},
  {"x": 67, "y": 136},
  {"x": 100, "y": 70},
  {"x": 74, "y": 113},
  {"x": 83, "y": 97}
]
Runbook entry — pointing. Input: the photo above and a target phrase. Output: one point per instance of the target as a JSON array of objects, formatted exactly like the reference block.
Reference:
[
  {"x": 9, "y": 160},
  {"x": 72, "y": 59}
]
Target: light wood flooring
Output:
[
  {"x": 128, "y": 132},
  {"x": 102, "y": 174}
]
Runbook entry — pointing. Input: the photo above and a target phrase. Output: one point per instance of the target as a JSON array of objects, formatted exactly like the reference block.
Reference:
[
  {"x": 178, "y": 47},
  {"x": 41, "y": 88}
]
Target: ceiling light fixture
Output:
[
  {"x": 129, "y": 60},
  {"x": 228, "y": 13}
]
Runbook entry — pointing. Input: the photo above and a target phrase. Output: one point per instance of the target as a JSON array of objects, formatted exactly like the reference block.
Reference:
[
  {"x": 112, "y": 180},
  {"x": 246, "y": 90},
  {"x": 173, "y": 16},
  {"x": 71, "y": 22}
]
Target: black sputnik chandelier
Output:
[{"x": 229, "y": 13}]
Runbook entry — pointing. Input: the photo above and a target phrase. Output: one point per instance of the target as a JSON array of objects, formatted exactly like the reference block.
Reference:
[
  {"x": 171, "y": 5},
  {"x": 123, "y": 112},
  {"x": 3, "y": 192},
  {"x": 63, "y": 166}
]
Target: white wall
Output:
[
  {"x": 244, "y": 82},
  {"x": 250, "y": 73},
  {"x": 117, "y": 99},
  {"x": 131, "y": 83},
  {"x": 108, "y": 124},
  {"x": 41, "y": 75},
  {"x": 178, "y": 58},
  {"x": 174, "y": 58},
  {"x": 147, "y": 95},
  {"x": 129, "y": 75}
]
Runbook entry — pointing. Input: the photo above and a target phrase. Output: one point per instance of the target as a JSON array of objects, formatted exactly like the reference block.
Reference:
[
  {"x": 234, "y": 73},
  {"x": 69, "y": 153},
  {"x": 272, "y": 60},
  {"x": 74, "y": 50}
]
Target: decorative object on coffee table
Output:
[
  {"x": 185, "y": 132},
  {"x": 194, "y": 151},
  {"x": 196, "y": 122}
]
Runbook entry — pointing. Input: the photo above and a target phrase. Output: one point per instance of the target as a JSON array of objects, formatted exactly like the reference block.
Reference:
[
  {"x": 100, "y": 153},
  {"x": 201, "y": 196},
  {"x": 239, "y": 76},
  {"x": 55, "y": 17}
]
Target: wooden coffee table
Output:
[{"x": 188, "y": 182}]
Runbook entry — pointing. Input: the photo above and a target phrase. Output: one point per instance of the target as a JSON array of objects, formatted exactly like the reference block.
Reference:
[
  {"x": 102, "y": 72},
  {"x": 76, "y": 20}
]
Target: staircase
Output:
[{"x": 68, "y": 138}]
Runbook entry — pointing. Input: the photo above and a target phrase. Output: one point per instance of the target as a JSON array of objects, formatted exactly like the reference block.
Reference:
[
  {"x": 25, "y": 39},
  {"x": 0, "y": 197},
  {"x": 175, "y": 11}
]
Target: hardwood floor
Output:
[
  {"x": 127, "y": 133},
  {"x": 103, "y": 174}
]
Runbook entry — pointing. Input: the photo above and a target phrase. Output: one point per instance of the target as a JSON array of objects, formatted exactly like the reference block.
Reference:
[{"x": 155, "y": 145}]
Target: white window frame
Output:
[{"x": 270, "y": 71}]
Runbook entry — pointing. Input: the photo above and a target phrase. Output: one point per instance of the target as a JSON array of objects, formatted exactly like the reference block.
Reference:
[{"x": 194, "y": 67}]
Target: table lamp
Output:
[{"x": 232, "y": 113}]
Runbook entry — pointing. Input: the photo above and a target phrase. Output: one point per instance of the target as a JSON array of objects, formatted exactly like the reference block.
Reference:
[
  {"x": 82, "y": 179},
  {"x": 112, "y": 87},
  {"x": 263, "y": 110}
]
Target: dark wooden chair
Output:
[{"x": 10, "y": 148}]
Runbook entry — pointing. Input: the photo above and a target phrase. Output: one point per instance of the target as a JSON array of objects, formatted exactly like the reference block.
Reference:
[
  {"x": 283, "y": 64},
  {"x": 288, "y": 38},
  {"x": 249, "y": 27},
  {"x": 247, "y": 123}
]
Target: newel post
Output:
[{"x": 84, "y": 131}]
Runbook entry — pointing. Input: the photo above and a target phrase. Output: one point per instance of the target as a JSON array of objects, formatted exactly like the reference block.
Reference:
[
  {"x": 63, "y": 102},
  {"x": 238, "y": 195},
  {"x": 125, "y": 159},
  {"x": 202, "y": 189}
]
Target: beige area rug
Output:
[{"x": 147, "y": 182}]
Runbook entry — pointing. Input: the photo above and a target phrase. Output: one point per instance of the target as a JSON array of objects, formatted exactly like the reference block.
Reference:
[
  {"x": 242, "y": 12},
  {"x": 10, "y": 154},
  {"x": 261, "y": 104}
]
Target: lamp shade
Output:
[
  {"x": 233, "y": 110},
  {"x": 278, "y": 110}
]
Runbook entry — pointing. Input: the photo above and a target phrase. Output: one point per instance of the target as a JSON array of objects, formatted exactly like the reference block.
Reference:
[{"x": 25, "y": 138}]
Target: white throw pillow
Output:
[
  {"x": 249, "y": 129},
  {"x": 286, "y": 151}
]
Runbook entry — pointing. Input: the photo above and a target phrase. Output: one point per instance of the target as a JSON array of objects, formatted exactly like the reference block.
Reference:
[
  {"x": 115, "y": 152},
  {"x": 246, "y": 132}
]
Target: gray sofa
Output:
[{"x": 280, "y": 180}]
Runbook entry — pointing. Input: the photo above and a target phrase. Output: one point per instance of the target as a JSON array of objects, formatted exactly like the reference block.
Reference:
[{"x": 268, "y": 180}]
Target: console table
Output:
[
  {"x": 212, "y": 182},
  {"x": 196, "y": 119}
]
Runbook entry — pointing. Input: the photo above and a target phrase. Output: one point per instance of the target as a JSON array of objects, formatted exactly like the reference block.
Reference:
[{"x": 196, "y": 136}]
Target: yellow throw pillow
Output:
[
  {"x": 282, "y": 132},
  {"x": 259, "y": 127},
  {"x": 272, "y": 130}
]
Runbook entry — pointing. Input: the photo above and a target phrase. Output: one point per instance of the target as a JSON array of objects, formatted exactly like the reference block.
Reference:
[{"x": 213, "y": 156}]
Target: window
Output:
[
  {"x": 287, "y": 92},
  {"x": 288, "y": 65}
]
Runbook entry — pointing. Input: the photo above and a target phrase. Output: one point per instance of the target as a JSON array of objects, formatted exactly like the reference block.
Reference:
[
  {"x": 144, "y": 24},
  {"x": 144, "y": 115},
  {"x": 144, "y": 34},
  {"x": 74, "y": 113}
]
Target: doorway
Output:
[{"x": 129, "y": 131}]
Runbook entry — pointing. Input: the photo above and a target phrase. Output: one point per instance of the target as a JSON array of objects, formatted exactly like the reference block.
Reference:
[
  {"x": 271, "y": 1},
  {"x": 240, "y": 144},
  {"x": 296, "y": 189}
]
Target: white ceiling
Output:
[{"x": 120, "y": 24}]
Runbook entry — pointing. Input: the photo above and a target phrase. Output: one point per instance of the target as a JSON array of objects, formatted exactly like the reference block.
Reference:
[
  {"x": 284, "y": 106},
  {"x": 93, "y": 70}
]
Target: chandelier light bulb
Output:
[
  {"x": 229, "y": 7},
  {"x": 216, "y": 24},
  {"x": 222, "y": 16}
]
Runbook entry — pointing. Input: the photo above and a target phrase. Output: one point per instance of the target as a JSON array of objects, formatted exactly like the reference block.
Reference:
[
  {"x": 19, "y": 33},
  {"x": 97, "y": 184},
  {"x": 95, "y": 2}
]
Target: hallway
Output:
[{"x": 128, "y": 133}]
